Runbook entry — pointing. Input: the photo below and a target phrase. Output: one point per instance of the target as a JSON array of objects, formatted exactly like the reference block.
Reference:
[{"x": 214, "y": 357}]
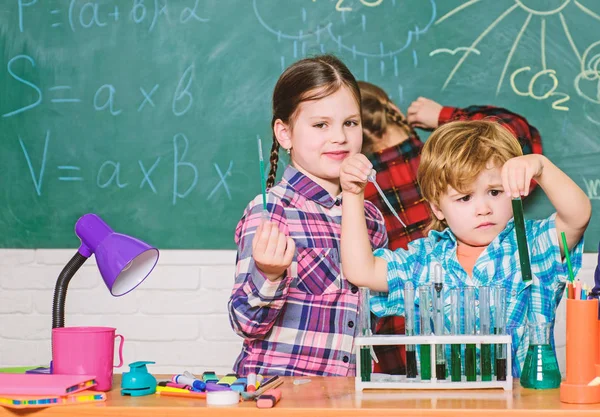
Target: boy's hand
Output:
[
  {"x": 518, "y": 172},
  {"x": 272, "y": 250},
  {"x": 424, "y": 113},
  {"x": 354, "y": 172}
]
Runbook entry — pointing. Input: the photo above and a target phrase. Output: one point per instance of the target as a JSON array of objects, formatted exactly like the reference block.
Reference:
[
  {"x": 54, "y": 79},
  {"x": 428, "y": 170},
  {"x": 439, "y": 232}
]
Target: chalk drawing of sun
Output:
[{"x": 535, "y": 9}]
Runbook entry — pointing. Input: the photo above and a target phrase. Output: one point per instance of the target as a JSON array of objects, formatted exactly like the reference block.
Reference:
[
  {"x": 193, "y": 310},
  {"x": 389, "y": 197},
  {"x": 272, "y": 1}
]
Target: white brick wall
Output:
[{"x": 177, "y": 317}]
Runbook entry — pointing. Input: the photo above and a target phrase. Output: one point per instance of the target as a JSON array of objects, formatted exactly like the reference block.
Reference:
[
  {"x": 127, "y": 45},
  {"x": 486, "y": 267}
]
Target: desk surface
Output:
[{"x": 335, "y": 396}]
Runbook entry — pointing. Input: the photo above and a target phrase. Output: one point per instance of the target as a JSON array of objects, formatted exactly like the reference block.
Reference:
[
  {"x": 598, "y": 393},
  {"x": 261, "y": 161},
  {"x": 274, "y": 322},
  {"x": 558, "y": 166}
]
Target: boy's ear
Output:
[
  {"x": 437, "y": 212},
  {"x": 283, "y": 134}
]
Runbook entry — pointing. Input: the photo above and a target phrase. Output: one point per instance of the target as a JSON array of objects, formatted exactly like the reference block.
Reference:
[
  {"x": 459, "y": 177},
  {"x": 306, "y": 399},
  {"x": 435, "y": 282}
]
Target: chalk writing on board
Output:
[
  {"x": 109, "y": 174},
  {"x": 541, "y": 12},
  {"x": 331, "y": 34},
  {"x": 86, "y": 14},
  {"x": 587, "y": 82},
  {"x": 341, "y": 7},
  {"x": 592, "y": 188},
  {"x": 106, "y": 95}
]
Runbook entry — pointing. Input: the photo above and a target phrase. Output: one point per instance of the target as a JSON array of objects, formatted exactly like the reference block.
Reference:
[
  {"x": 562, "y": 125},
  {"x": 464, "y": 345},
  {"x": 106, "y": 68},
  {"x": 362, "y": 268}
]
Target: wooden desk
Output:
[{"x": 335, "y": 397}]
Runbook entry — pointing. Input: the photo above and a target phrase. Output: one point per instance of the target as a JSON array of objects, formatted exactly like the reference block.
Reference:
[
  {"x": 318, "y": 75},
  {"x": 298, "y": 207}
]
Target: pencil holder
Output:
[{"x": 582, "y": 353}]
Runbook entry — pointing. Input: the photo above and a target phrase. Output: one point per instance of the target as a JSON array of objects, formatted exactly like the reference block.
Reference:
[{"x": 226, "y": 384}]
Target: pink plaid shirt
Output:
[{"x": 305, "y": 323}]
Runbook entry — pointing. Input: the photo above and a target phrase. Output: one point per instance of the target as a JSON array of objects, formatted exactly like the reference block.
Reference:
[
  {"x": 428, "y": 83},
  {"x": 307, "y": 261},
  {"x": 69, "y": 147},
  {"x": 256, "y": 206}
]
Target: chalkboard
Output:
[{"x": 147, "y": 112}]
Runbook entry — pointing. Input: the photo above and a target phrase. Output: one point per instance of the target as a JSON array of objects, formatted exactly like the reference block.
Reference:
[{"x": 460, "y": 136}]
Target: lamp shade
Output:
[{"x": 123, "y": 261}]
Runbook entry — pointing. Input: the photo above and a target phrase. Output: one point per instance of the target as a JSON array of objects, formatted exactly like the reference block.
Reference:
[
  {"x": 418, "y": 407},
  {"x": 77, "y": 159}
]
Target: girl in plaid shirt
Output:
[
  {"x": 469, "y": 172},
  {"x": 290, "y": 302}
]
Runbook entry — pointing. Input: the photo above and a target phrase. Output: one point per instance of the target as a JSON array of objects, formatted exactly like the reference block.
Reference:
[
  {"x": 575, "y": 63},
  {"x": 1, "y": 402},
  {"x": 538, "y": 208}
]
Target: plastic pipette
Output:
[{"x": 371, "y": 178}]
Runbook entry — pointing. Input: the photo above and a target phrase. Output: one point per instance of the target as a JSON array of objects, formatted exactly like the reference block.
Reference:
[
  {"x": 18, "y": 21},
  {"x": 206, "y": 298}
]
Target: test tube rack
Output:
[{"x": 432, "y": 340}]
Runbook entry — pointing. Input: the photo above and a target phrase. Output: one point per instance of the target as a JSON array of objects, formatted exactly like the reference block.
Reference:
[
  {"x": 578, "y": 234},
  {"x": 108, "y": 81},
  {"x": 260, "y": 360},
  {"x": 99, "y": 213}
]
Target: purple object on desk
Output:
[{"x": 213, "y": 386}]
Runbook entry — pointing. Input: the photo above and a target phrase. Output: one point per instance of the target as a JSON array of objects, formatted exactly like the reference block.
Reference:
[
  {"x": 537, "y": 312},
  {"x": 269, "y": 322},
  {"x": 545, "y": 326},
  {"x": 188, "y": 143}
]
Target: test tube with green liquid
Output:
[
  {"x": 409, "y": 321},
  {"x": 484, "y": 329},
  {"x": 364, "y": 319},
  {"x": 470, "y": 351},
  {"x": 455, "y": 354},
  {"x": 500, "y": 328},
  {"x": 438, "y": 321},
  {"x": 425, "y": 319}
]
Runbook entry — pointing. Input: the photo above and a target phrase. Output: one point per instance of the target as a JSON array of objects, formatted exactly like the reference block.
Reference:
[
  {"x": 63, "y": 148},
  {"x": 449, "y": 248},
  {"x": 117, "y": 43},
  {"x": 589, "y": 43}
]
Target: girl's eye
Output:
[
  {"x": 320, "y": 125},
  {"x": 351, "y": 123},
  {"x": 495, "y": 193},
  {"x": 465, "y": 198}
]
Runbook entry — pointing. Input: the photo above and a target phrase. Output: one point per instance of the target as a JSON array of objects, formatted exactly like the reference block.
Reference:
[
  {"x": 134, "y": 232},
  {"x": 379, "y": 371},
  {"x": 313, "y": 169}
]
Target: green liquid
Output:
[
  {"x": 486, "y": 362},
  {"x": 425, "y": 351},
  {"x": 456, "y": 363},
  {"x": 540, "y": 370},
  {"x": 411, "y": 363},
  {"x": 470, "y": 363},
  {"x": 365, "y": 363}
]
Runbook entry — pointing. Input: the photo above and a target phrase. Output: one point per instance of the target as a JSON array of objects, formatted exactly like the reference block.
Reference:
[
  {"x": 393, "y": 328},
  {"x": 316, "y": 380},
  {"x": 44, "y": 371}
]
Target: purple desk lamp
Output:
[{"x": 123, "y": 261}]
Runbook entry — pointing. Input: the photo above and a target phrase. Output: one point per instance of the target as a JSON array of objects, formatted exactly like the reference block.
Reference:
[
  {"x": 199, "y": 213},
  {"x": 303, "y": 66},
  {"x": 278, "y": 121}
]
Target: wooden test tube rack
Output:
[{"x": 432, "y": 340}]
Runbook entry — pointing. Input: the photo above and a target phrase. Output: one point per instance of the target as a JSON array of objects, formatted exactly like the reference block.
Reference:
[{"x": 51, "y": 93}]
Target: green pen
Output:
[{"x": 517, "y": 205}]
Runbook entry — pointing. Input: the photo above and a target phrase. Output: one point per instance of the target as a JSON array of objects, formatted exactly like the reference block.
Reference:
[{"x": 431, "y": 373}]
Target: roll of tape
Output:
[{"x": 222, "y": 397}]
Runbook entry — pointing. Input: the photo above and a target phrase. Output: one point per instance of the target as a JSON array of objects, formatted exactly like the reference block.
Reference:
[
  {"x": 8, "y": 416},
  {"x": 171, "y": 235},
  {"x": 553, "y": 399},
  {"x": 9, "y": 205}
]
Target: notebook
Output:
[
  {"x": 41, "y": 401},
  {"x": 39, "y": 384}
]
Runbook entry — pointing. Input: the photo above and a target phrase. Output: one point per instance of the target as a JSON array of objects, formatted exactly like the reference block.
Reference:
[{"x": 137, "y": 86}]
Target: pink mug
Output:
[{"x": 86, "y": 351}]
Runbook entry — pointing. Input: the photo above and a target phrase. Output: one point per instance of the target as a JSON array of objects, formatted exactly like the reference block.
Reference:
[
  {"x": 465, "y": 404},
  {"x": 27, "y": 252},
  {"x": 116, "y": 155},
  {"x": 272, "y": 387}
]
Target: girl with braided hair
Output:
[
  {"x": 392, "y": 145},
  {"x": 290, "y": 302}
]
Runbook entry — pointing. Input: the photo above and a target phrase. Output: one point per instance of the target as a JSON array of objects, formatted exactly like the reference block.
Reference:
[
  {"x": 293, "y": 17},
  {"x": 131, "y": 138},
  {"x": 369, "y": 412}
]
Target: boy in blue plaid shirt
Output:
[{"x": 469, "y": 172}]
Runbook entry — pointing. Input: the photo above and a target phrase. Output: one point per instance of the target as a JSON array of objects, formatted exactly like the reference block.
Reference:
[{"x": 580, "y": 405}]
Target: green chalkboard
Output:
[{"x": 146, "y": 112}]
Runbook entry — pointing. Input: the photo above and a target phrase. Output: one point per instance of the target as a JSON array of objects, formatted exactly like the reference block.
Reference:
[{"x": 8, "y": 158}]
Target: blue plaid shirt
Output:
[{"x": 498, "y": 264}]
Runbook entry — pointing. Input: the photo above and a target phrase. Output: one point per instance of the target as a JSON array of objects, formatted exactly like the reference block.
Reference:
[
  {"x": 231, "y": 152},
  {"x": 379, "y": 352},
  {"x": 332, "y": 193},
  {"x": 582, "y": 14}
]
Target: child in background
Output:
[
  {"x": 469, "y": 172},
  {"x": 295, "y": 310},
  {"x": 392, "y": 145}
]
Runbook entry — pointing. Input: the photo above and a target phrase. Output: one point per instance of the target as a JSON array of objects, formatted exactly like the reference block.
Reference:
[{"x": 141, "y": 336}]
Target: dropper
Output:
[{"x": 371, "y": 178}]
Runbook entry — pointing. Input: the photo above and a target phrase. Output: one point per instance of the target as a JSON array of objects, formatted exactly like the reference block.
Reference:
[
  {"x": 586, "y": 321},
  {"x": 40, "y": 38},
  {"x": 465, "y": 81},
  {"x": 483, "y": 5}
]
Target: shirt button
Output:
[
  {"x": 338, "y": 202},
  {"x": 476, "y": 302},
  {"x": 514, "y": 293},
  {"x": 354, "y": 289},
  {"x": 351, "y": 324},
  {"x": 346, "y": 359}
]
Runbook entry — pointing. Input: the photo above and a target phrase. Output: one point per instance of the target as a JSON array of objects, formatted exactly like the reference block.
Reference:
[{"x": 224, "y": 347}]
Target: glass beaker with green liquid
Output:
[{"x": 540, "y": 370}]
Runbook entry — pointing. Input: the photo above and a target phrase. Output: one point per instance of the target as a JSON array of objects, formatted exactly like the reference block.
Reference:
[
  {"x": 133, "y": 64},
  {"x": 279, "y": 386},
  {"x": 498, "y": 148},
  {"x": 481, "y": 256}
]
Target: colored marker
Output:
[{"x": 251, "y": 382}]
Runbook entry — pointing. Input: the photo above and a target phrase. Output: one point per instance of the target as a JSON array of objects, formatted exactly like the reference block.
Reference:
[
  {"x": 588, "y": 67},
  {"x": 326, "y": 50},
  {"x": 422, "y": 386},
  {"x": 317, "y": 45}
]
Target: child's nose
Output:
[
  {"x": 339, "y": 136},
  {"x": 484, "y": 208}
]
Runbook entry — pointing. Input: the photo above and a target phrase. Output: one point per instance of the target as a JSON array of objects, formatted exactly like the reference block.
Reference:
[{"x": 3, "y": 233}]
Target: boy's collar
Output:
[
  {"x": 307, "y": 188},
  {"x": 448, "y": 234}
]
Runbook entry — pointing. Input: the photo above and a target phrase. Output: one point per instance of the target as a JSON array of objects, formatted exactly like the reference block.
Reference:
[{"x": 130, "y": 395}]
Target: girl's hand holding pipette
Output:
[
  {"x": 354, "y": 173},
  {"x": 518, "y": 172},
  {"x": 272, "y": 250}
]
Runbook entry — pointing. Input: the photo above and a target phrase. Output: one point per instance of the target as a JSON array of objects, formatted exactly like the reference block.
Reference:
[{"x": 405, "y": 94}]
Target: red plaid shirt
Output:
[{"x": 397, "y": 176}]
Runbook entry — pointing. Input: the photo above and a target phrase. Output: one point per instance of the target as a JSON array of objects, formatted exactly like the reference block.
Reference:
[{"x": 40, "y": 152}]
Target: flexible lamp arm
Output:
[{"x": 60, "y": 289}]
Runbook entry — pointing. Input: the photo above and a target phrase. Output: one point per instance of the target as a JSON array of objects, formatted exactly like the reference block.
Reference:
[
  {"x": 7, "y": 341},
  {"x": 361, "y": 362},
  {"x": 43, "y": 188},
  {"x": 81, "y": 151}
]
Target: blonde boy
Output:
[{"x": 469, "y": 172}]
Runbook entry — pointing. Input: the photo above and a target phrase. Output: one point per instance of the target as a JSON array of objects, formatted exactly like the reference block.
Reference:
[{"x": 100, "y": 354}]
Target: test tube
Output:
[
  {"x": 364, "y": 318},
  {"x": 425, "y": 319},
  {"x": 484, "y": 329},
  {"x": 470, "y": 353},
  {"x": 455, "y": 354},
  {"x": 500, "y": 328},
  {"x": 438, "y": 321},
  {"x": 409, "y": 321}
]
